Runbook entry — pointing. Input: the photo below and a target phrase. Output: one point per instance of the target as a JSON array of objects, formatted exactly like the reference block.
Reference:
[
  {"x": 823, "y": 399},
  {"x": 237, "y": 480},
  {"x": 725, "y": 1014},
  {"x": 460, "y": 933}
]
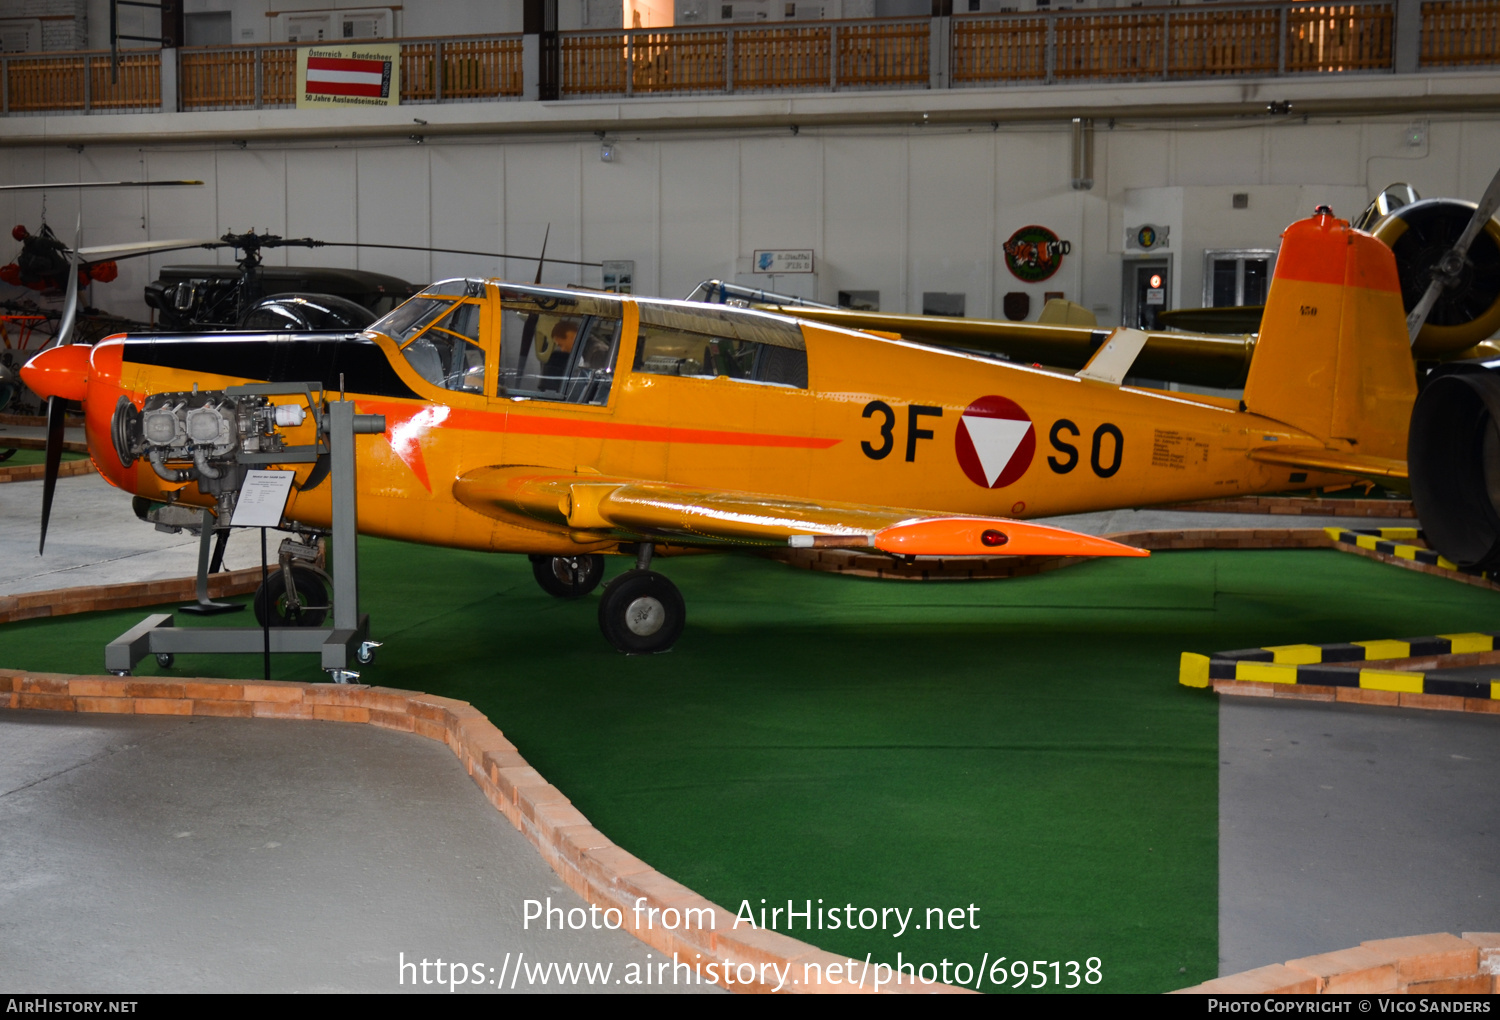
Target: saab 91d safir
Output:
[{"x": 571, "y": 424}]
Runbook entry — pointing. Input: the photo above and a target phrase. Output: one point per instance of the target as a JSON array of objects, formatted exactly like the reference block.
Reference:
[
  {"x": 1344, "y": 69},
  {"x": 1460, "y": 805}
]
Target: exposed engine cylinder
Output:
[
  {"x": 1453, "y": 456},
  {"x": 195, "y": 436}
]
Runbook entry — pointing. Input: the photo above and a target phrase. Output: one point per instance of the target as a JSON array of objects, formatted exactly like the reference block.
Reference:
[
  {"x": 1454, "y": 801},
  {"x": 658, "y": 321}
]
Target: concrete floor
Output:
[{"x": 151, "y": 855}]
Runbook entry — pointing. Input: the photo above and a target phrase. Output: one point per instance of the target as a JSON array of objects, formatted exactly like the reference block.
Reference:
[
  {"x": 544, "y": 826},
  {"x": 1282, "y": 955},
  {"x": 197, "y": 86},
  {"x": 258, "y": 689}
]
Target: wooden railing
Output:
[
  {"x": 804, "y": 57},
  {"x": 1173, "y": 43},
  {"x": 1140, "y": 44},
  {"x": 82, "y": 82},
  {"x": 1460, "y": 33}
]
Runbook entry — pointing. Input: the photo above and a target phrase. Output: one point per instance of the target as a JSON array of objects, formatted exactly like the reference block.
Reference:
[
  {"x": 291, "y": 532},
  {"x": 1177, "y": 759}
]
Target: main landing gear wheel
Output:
[
  {"x": 568, "y": 577},
  {"x": 641, "y": 612},
  {"x": 310, "y": 608}
]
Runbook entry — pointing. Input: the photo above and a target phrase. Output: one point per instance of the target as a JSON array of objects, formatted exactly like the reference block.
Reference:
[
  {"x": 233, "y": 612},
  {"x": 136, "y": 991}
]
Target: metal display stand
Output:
[{"x": 349, "y": 637}]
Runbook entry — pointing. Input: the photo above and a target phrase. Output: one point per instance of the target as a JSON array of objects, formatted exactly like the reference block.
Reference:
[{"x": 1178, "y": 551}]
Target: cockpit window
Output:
[
  {"x": 557, "y": 346},
  {"x": 411, "y": 318}
]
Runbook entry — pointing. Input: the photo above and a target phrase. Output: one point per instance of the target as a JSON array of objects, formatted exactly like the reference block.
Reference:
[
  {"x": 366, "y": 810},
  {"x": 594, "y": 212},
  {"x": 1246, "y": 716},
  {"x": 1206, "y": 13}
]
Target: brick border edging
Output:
[
  {"x": 583, "y": 857},
  {"x": 36, "y": 605},
  {"x": 35, "y": 472},
  {"x": 1436, "y": 964}
]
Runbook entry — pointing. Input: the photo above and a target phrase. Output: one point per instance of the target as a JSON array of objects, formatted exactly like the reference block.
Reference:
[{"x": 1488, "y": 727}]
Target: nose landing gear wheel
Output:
[
  {"x": 568, "y": 577},
  {"x": 642, "y": 612},
  {"x": 310, "y": 608}
]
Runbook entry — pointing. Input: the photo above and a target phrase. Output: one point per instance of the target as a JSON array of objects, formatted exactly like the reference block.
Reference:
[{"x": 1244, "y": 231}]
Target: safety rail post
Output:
[
  {"x": 833, "y": 57},
  {"x": 439, "y": 71},
  {"x": 1281, "y": 41},
  {"x": 1166, "y": 44},
  {"x": 629, "y": 64},
  {"x": 260, "y": 78},
  {"x": 1050, "y": 49},
  {"x": 729, "y": 59},
  {"x": 88, "y": 83},
  {"x": 5, "y": 85}
]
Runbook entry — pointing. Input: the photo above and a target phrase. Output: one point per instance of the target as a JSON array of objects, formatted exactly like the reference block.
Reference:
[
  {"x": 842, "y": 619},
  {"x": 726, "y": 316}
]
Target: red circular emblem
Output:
[{"x": 994, "y": 442}]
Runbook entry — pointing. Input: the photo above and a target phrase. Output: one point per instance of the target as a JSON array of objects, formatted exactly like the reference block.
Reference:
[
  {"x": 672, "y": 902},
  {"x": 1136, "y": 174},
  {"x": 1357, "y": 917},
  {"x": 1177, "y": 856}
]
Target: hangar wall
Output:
[{"x": 897, "y": 210}]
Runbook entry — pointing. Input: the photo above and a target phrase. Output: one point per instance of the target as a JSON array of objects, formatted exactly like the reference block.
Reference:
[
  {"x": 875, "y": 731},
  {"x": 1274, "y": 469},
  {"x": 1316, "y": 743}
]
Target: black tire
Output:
[
  {"x": 641, "y": 613},
  {"x": 165, "y": 659},
  {"x": 568, "y": 577},
  {"x": 311, "y": 608}
]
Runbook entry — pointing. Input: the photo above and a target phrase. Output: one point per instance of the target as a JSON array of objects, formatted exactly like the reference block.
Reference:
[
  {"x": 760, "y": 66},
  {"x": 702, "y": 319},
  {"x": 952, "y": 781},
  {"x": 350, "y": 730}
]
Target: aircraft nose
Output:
[{"x": 59, "y": 372}]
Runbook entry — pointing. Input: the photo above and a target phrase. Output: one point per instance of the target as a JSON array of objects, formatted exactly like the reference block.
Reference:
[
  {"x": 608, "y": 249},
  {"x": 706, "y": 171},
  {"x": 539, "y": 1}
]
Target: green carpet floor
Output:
[{"x": 1019, "y": 745}]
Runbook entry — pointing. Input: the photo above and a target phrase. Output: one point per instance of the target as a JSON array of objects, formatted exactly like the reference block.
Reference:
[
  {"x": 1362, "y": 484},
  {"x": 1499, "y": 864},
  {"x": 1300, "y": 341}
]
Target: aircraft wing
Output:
[
  {"x": 1197, "y": 359},
  {"x": 598, "y": 508},
  {"x": 1317, "y": 459}
]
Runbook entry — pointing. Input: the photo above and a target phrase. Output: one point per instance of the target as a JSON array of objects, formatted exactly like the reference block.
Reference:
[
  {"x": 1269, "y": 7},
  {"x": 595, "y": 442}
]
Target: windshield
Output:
[{"x": 421, "y": 311}]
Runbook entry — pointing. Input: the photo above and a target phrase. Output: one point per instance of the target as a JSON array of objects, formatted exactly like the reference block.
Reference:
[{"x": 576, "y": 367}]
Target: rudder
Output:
[{"x": 1333, "y": 358}]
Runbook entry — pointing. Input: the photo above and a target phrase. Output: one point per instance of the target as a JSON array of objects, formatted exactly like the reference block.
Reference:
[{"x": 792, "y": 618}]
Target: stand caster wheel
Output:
[
  {"x": 568, "y": 577},
  {"x": 365, "y": 653},
  {"x": 165, "y": 659},
  {"x": 120, "y": 672},
  {"x": 642, "y": 612}
]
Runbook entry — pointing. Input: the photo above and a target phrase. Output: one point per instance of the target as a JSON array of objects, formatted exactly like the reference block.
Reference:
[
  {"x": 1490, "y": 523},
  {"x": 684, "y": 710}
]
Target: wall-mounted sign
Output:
[
  {"x": 619, "y": 276},
  {"x": 1034, "y": 253},
  {"x": 778, "y": 260},
  {"x": 1147, "y": 237},
  {"x": 364, "y": 74}
]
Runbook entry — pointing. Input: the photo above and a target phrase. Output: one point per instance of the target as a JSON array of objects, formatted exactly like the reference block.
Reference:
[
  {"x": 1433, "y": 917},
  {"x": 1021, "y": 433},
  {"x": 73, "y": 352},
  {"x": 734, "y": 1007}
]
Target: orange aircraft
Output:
[{"x": 570, "y": 424}]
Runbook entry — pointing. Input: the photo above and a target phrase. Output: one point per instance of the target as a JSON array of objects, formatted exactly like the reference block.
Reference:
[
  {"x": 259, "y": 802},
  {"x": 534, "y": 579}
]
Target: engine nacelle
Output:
[
  {"x": 1453, "y": 456},
  {"x": 1419, "y": 234}
]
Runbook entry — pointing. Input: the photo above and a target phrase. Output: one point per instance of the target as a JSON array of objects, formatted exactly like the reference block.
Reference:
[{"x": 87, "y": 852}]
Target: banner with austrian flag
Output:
[{"x": 361, "y": 74}]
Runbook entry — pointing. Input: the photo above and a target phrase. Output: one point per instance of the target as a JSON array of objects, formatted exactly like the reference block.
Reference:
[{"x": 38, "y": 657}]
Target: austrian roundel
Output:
[{"x": 994, "y": 442}]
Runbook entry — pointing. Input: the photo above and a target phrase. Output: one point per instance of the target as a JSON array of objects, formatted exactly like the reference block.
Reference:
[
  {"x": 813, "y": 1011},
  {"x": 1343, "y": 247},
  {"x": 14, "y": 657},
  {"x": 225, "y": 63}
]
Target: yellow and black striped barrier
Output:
[
  {"x": 1388, "y": 541},
  {"x": 1336, "y": 665}
]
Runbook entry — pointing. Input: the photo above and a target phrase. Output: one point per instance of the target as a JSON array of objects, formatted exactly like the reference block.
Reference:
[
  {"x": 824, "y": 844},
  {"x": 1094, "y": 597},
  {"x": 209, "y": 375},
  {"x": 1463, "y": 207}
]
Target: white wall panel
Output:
[
  {"x": 542, "y": 188},
  {"x": 394, "y": 208},
  {"x": 468, "y": 189},
  {"x": 173, "y": 214},
  {"x": 620, "y": 216},
  {"x": 864, "y": 219},
  {"x": 953, "y": 220},
  {"x": 251, "y": 190},
  {"x": 1315, "y": 152},
  {"x": 699, "y": 213},
  {"x": 1218, "y": 157},
  {"x": 321, "y": 199},
  {"x": 781, "y": 188}
]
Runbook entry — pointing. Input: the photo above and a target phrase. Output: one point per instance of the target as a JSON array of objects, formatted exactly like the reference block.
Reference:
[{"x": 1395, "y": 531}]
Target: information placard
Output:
[{"x": 262, "y": 499}]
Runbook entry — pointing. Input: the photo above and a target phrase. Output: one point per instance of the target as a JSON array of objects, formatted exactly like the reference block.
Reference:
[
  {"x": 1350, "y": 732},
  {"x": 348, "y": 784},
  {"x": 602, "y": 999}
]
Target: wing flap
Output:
[
  {"x": 1313, "y": 459},
  {"x": 636, "y": 510}
]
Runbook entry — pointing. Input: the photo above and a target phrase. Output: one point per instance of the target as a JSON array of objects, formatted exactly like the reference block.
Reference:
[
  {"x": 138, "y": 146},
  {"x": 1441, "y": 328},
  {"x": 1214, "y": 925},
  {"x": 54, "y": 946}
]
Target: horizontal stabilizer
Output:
[{"x": 1312, "y": 459}]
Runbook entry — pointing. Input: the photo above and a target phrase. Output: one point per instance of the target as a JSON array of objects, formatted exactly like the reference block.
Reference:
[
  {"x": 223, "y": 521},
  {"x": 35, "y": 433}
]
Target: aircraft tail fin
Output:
[{"x": 1333, "y": 358}]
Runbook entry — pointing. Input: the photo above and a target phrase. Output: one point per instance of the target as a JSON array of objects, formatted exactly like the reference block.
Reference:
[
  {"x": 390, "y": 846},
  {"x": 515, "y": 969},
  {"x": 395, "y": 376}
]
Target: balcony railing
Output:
[
  {"x": 1135, "y": 44},
  {"x": 1175, "y": 43},
  {"x": 822, "y": 56}
]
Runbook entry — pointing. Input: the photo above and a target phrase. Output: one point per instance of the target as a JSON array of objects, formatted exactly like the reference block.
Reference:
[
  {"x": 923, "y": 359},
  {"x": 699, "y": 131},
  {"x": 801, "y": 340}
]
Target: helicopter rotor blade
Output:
[
  {"x": 96, "y": 184},
  {"x": 100, "y": 252},
  {"x": 1448, "y": 268},
  {"x": 56, "y": 418},
  {"x": 451, "y": 251}
]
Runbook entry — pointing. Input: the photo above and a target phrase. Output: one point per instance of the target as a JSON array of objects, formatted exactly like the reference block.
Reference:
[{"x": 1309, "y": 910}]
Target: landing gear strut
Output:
[{"x": 642, "y": 611}]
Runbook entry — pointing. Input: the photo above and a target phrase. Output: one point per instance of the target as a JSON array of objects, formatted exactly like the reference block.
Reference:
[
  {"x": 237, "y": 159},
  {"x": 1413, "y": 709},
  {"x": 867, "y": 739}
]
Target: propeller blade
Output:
[
  {"x": 543, "y": 260},
  {"x": 56, "y": 413},
  {"x": 70, "y": 307},
  {"x": 1445, "y": 273}
]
